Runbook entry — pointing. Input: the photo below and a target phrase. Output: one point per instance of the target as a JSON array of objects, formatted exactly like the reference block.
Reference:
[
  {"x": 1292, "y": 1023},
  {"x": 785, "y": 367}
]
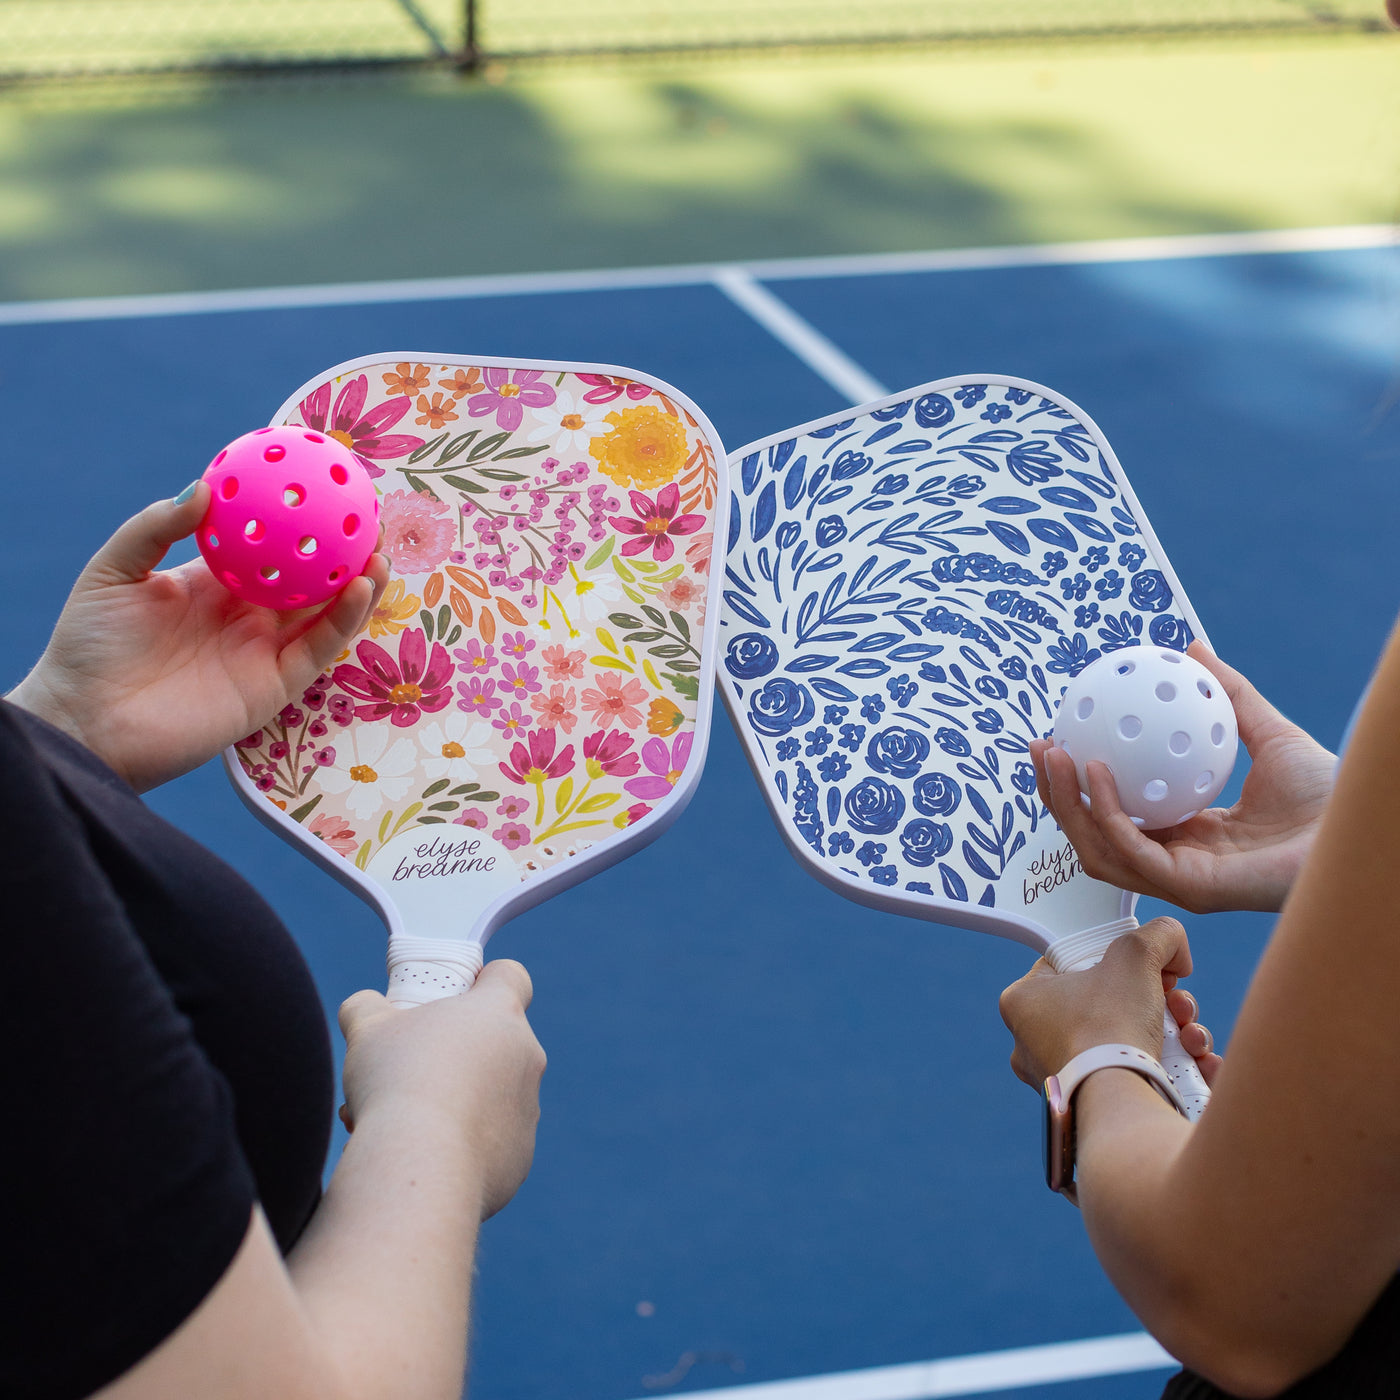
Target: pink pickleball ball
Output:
[{"x": 294, "y": 517}]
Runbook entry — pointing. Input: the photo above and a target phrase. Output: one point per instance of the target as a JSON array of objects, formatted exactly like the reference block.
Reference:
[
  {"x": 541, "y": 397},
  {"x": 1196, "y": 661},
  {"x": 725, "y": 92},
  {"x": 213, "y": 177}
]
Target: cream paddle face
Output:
[{"x": 531, "y": 699}]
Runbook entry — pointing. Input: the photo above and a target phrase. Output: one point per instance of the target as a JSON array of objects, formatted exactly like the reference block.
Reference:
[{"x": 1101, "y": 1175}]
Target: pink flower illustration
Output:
[
  {"x": 473, "y": 817},
  {"x": 512, "y": 720},
  {"x": 511, "y": 807},
  {"x": 682, "y": 594},
  {"x": 536, "y": 761},
  {"x": 633, "y": 814},
  {"x": 512, "y": 835},
  {"x": 607, "y": 389},
  {"x": 560, "y": 665},
  {"x": 664, "y": 765},
  {"x": 557, "y": 708},
  {"x": 348, "y": 424},
  {"x": 478, "y": 697},
  {"x": 515, "y": 644},
  {"x": 335, "y": 832},
  {"x": 475, "y": 659},
  {"x": 655, "y": 523},
  {"x": 399, "y": 691},
  {"x": 607, "y": 753},
  {"x": 508, "y": 393},
  {"x": 520, "y": 680},
  {"x": 697, "y": 554},
  {"x": 419, "y": 531},
  {"x": 614, "y": 702}
]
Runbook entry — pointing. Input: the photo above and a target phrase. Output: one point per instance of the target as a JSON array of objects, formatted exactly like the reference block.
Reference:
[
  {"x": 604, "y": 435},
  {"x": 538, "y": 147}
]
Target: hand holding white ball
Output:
[{"x": 1163, "y": 725}]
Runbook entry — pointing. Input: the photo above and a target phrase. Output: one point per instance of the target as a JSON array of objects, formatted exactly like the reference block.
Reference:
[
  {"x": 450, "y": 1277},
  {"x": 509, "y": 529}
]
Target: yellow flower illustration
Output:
[
  {"x": 663, "y": 718},
  {"x": 393, "y": 611},
  {"x": 646, "y": 447}
]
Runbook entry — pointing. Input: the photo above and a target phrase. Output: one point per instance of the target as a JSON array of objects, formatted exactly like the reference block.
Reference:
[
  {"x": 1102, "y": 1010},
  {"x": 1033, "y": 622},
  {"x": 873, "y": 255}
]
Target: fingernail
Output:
[{"x": 187, "y": 493}]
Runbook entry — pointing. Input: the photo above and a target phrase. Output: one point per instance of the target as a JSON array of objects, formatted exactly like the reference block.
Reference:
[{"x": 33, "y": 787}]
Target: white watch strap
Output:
[{"x": 1089, "y": 1062}]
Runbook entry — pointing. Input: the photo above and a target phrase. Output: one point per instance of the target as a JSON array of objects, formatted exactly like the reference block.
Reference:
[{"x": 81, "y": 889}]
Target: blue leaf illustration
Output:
[
  {"x": 803, "y": 664},
  {"x": 1051, "y": 532},
  {"x": 749, "y": 472},
  {"x": 736, "y": 523},
  {"x": 914, "y": 651},
  {"x": 831, "y": 690},
  {"x": 910, "y": 445},
  {"x": 792, "y": 482},
  {"x": 745, "y": 609},
  {"x": 1010, "y": 536},
  {"x": 953, "y": 885},
  {"x": 777, "y": 456},
  {"x": 765, "y": 511},
  {"x": 865, "y": 669},
  {"x": 976, "y": 863},
  {"x": 881, "y": 433},
  {"x": 1010, "y": 505},
  {"x": 1068, "y": 497},
  {"x": 989, "y": 897},
  {"x": 980, "y": 803},
  {"x": 1095, "y": 529},
  {"x": 876, "y": 641},
  {"x": 1096, "y": 484}
]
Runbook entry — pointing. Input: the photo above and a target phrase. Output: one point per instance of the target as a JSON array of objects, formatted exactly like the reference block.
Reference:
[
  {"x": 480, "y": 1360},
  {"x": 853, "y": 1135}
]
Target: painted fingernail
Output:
[{"x": 187, "y": 493}]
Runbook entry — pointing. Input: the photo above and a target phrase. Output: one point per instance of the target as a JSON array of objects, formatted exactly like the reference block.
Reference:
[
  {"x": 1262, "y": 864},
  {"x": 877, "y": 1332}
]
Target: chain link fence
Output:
[{"x": 45, "y": 39}]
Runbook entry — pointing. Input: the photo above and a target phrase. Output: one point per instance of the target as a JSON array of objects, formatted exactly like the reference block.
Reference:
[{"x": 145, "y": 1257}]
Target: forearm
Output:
[{"x": 384, "y": 1270}]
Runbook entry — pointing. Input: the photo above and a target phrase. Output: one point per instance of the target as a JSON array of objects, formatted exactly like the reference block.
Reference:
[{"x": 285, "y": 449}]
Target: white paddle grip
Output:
[
  {"x": 1079, "y": 951},
  {"x": 427, "y": 969}
]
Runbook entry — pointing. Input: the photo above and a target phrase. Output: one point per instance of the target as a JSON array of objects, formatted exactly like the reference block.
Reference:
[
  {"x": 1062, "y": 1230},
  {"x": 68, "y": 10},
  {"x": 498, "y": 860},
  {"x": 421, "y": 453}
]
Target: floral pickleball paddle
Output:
[
  {"x": 531, "y": 698},
  {"x": 910, "y": 585}
]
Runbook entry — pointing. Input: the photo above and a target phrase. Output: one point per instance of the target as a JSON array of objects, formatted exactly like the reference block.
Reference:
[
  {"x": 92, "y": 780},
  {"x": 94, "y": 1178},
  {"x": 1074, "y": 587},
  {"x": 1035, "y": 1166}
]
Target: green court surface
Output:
[{"x": 188, "y": 184}]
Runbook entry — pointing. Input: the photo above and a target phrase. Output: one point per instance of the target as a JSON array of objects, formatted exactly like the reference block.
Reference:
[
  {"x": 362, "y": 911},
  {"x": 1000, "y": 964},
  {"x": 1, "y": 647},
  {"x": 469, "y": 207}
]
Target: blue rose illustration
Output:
[
  {"x": 851, "y": 463},
  {"x": 891, "y": 485},
  {"x": 750, "y": 655},
  {"x": 991, "y": 687},
  {"x": 781, "y": 705},
  {"x": 1169, "y": 631},
  {"x": 933, "y": 411},
  {"x": 1014, "y": 667},
  {"x": 924, "y": 841},
  {"x": 1150, "y": 591},
  {"x": 1022, "y": 779},
  {"x": 831, "y": 529},
  {"x": 937, "y": 795},
  {"x": 898, "y": 751},
  {"x": 950, "y": 741},
  {"x": 789, "y": 532},
  {"x": 874, "y": 807}
]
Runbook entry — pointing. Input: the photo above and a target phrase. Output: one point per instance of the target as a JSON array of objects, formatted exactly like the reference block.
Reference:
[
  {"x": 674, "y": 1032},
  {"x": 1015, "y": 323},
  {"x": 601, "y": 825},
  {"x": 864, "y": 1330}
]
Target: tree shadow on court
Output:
[{"x": 290, "y": 181}]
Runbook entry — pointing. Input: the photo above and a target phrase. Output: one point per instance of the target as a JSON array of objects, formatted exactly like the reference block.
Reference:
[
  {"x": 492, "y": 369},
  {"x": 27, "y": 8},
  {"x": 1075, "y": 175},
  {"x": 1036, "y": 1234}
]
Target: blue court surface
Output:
[{"x": 780, "y": 1142}]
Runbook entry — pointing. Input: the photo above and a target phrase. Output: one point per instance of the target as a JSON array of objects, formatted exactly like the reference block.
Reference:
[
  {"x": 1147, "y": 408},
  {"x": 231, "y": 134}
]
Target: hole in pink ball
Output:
[
  {"x": 294, "y": 600},
  {"x": 293, "y": 495},
  {"x": 275, "y": 453},
  {"x": 338, "y": 473},
  {"x": 219, "y": 458},
  {"x": 336, "y": 574},
  {"x": 228, "y": 487},
  {"x": 254, "y": 530},
  {"x": 307, "y": 545},
  {"x": 1204, "y": 689},
  {"x": 232, "y": 579},
  {"x": 313, "y": 437},
  {"x": 212, "y": 541},
  {"x": 261, "y": 431},
  {"x": 352, "y": 523},
  {"x": 270, "y": 573}
]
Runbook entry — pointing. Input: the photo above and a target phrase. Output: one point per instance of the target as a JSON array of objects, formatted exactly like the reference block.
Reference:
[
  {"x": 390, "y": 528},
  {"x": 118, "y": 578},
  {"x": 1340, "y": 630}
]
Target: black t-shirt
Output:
[{"x": 166, "y": 1063}]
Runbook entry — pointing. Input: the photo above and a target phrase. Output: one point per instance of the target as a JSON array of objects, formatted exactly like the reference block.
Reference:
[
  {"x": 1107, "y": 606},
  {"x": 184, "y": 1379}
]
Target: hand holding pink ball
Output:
[{"x": 294, "y": 518}]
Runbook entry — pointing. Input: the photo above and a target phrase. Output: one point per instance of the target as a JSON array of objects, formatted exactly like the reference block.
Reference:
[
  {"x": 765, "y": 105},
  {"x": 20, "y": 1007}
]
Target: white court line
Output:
[
  {"x": 965, "y": 1375},
  {"x": 1210, "y": 245},
  {"x": 802, "y": 338}
]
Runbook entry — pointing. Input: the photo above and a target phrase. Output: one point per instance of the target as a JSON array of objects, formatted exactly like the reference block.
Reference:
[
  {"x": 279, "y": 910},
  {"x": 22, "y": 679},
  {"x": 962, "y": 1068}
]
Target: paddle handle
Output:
[
  {"x": 428, "y": 969},
  {"x": 1077, "y": 952}
]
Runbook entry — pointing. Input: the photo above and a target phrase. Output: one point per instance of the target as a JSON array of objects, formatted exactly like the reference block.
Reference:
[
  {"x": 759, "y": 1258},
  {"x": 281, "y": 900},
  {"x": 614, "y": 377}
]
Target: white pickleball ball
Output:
[{"x": 1161, "y": 722}]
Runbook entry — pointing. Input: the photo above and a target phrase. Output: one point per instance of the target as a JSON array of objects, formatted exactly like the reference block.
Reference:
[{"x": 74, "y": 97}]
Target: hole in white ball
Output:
[
  {"x": 1180, "y": 743},
  {"x": 1130, "y": 726},
  {"x": 1186, "y": 817},
  {"x": 1205, "y": 780},
  {"x": 1155, "y": 791},
  {"x": 293, "y": 495},
  {"x": 1125, "y": 668},
  {"x": 1171, "y": 656},
  {"x": 1084, "y": 708},
  {"x": 1165, "y": 691},
  {"x": 307, "y": 545},
  {"x": 1217, "y": 734},
  {"x": 1204, "y": 689},
  {"x": 254, "y": 530},
  {"x": 1067, "y": 749}
]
